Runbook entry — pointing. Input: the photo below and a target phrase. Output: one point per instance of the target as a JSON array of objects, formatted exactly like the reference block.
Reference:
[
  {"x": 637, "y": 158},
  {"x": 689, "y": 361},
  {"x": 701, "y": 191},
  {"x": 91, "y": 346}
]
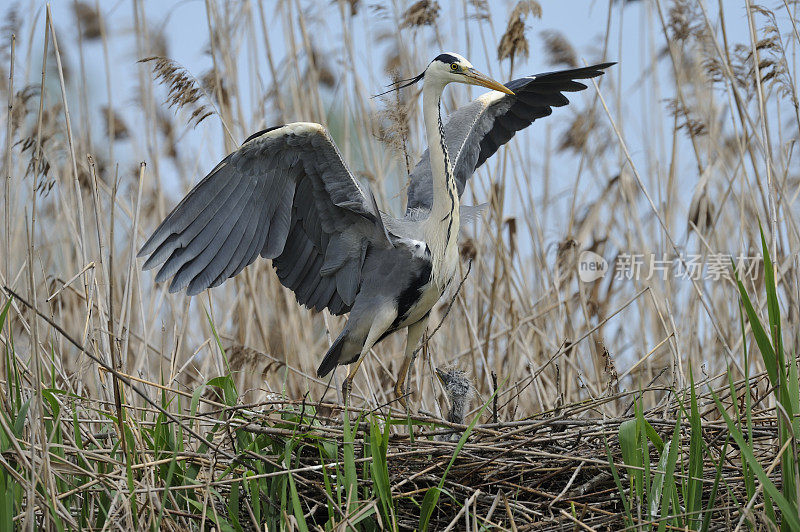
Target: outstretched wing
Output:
[
  {"x": 475, "y": 131},
  {"x": 285, "y": 194}
]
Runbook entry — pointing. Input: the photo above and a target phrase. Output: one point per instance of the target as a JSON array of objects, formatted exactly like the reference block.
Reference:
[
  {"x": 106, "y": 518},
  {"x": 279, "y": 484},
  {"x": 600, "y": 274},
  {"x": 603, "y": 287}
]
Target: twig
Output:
[{"x": 494, "y": 399}]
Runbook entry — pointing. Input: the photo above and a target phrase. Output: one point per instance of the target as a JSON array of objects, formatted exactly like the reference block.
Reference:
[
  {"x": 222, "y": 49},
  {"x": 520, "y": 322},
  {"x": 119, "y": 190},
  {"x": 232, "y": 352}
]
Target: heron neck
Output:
[{"x": 442, "y": 225}]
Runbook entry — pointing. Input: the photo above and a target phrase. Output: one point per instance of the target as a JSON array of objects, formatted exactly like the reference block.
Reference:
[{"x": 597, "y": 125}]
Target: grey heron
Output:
[{"x": 287, "y": 195}]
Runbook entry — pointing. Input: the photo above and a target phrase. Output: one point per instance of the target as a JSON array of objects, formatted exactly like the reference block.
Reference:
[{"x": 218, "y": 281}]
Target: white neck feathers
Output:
[{"x": 441, "y": 227}]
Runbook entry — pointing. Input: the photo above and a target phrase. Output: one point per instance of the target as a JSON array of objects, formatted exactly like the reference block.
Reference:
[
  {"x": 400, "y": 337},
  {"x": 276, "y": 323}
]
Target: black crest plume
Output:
[{"x": 399, "y": 84}]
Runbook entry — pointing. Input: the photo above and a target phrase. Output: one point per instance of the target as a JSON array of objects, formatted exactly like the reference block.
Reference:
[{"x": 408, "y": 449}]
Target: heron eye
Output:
[{"x": 453, "y": 66}]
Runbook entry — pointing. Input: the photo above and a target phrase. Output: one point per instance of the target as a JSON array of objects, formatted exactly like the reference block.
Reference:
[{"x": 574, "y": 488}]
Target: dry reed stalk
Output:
[{"x": 7, "y": 159}]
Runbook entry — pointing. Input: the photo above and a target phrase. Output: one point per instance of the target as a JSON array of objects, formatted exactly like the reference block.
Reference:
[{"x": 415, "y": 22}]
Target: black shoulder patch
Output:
[
  {"x": 255, "y": 135},
  {"x": 446, "y": 58},
  {"x": 411, "y": 293}
]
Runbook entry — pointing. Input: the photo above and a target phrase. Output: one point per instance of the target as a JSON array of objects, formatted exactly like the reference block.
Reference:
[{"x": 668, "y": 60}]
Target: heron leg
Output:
[
  {"x": 347, "y": 385},
  {"x": 383, "y": 320},
  {"x": 415, "y": 331}
]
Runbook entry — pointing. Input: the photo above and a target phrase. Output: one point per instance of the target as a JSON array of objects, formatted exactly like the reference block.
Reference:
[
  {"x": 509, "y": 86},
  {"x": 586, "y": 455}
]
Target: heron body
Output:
[{"x": 287, "y": 195}]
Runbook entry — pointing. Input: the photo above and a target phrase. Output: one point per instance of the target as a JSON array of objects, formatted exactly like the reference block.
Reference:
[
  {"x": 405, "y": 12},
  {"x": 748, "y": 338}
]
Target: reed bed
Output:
[{"x": 663, "y": 396}]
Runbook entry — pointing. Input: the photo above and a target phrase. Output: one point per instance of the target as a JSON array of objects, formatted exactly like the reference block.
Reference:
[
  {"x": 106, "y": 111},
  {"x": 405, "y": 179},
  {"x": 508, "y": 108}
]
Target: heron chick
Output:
[
  {"x": 287, "y": 195},
  {"x": 459, "y": 392}
]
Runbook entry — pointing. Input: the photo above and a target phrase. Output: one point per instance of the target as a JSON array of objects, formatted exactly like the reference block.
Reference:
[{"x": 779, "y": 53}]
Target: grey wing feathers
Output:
[
  {"x": 475, "y": 131},
  {"x": 285, "y": 194}
]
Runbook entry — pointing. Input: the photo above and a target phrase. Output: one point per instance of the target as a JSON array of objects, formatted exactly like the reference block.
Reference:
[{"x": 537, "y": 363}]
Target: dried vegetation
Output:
[{"x": 601, "y": 405}]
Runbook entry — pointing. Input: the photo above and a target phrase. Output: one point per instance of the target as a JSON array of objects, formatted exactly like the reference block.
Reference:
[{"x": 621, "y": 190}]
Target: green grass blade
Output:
[
  {"x": 632, "y": 456},
  {"x": 167, "y": 484},
  {"x": 350, "y": 470},
  {"x": 657, "y": 487},
  {"x": 669, "y": 495},
  {"x": 641, "y": 425},
  {"x": 788, "y": 509},
  {"x": 293, "y": 495},
  {"x": 760, "y": 335},
  {"x": 379, "y": 441},
  {"x": 787, "y": 383},
  {"x": 326, "y": 480},
  {"x": 773, "y": 308},
  {"x": 228, "y": 387},
  {"x": 615, "y": 474},
  {"x": 194, "y": 403},
  {"x": 793, "y": 393},
  {"x": 219, "y": 343},
  {"x": 783, "y": 377},
  {"x": 713, "y": 497},
  {"x": 694, "y": 492},
  {"x": 19, "y": 423},
  {"x": 4, "y": 313},
  {"x": 428, "y": 505}
]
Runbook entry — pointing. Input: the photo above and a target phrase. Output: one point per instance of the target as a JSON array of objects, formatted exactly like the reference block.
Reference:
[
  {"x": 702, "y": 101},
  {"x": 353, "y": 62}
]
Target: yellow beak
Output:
[
  {"x": 439, "y": 376},
  {"x": 476, "y": 78}
]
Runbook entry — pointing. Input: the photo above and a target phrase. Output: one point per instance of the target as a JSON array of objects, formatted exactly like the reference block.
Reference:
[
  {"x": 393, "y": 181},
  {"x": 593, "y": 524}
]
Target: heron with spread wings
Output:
[{"x": 287, "y": 195}]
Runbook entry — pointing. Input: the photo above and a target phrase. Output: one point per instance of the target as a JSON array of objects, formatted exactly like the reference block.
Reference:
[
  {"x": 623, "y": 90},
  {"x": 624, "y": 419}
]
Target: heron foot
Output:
[
  {"x": 400, "y": 391},
  {"x": 347, "y": 387}
]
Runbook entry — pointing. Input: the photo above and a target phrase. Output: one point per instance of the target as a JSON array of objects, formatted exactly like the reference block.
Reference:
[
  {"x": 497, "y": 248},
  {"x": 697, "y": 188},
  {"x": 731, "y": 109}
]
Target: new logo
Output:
[{"x": 591, "y": 266}]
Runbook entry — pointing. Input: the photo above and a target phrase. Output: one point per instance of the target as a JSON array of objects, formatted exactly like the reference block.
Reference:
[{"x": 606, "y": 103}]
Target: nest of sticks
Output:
[{"x": 545, "y": 473}]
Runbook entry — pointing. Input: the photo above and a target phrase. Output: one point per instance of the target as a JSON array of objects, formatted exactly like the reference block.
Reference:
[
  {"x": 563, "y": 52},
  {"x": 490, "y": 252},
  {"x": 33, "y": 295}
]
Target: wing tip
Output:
[
  {"x": 155, "y": 259},
  {"x": 149, "y": 246},
  {"x": 193, "y": 290},
  {"x": 599, "y": 69}
]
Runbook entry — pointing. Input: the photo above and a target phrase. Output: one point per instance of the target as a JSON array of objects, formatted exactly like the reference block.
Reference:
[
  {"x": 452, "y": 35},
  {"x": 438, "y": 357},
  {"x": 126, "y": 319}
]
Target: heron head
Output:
[
  {"x": 456, "y": 382},
  {"x": 451, "y": 67},
  {"x": 447, "y": 68}
]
